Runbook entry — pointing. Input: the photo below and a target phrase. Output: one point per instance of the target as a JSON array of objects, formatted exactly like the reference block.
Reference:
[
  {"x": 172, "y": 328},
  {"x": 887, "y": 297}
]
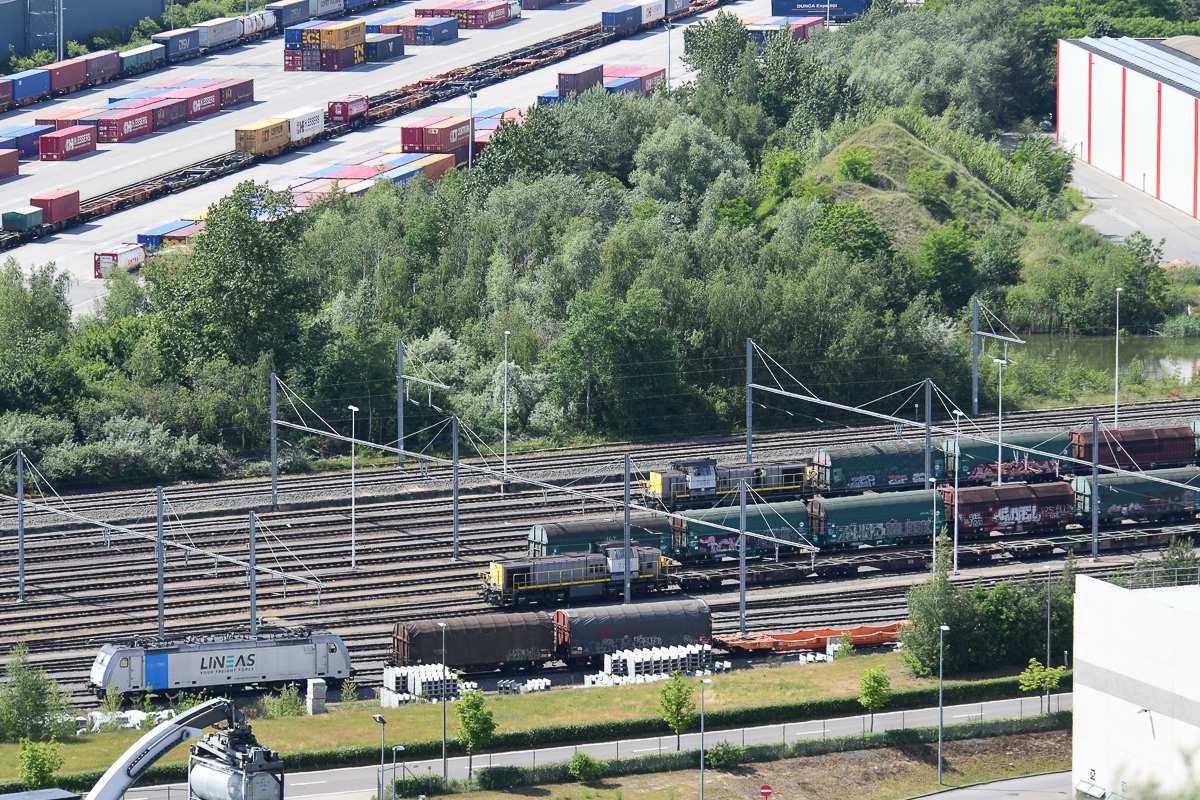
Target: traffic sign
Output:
[{"x": 765, "y": 791}]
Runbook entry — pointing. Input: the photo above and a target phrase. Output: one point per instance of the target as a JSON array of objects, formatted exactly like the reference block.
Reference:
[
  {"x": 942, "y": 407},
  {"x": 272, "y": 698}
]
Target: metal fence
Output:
[{"x": 1155, "y": 577}]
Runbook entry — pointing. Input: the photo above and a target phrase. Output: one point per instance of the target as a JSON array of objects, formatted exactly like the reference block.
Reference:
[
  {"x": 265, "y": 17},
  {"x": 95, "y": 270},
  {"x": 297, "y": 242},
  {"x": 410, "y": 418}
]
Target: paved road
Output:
[
  {"x": 72, "y": 250},
  {"x": 359, "y": 783},
  {"x": 1120, "y": 209},
  {"x": 1051, "y": 786}
]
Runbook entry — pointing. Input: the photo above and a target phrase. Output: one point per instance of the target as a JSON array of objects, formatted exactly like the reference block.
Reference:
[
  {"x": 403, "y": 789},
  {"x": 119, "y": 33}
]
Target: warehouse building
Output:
[
  {"x": 1137, "y": 700},
  {"x": 1131, "y": 107},
  {"x": 28, "y": 25}
]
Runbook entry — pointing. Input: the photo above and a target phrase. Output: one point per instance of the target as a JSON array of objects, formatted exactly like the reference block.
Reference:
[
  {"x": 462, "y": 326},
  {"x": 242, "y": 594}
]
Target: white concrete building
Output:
[
  {"x": 1137, "y": 687},
  {"x": 1131, "y": 107}
]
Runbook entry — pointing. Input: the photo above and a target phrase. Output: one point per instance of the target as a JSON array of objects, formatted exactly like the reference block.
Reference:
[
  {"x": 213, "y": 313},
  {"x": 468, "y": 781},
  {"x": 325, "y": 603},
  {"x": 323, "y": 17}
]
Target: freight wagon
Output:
[
  {"x": 1141, "y": 448},
  {"x": 557, "y": 579},
  {"x": 531, "y": 639},
  {"x": 1012, "y": 508},
  {"x": 978, "y": 462},
  {"x": 218, "y": 663},
  {"x": 700, "y": 482},
  {"x": 874, "y": 519},
  {"x": 1135, "y": 498}
]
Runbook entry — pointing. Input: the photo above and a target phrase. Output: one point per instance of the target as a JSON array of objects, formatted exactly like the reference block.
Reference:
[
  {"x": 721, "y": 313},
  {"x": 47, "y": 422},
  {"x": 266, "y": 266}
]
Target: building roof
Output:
[
  {"x": 1184, "y": 598},
  {"x": 1152, "y": 57}
]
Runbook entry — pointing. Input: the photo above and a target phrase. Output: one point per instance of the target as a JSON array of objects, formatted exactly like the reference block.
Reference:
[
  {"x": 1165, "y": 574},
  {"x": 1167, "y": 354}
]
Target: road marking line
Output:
[{"x": 307, "y": 783}]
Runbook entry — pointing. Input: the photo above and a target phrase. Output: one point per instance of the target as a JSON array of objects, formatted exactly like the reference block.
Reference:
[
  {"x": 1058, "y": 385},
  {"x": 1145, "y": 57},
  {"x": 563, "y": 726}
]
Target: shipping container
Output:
[
  {"x": 877, "y": 467},
  {"x": 873, "y": 519},
  {"x": 168, "y": 113},
  {"x": 183, "y": 235},
  {"x": 550, "y": 98},
  {"x": 490, "y": 112},
  {"x": 94, "y": 118},
  {"x": 837, "y": 10},
  {"x": 1011, "y": 508},
  {"x": 289, "y": 12},
  {"x": 649, "y": 77},
  {"x": 578, "y": 80},
  {"x": 623, "y": 86},
  {"x": 181, "y": 43},
  {"x": 304, "y": 125},
  {"x": 67, "y": 143},
  {"x": 265, "y": 137},
  {"x": 403, "y": 27},
  {"x": 341, "y": 35},
  {"x": 216, "y": 32},
  {"x": 293, "y": 61},
  {"x": 200, "y": 102},
  {"x": 141, "y": 59},
  {"x": 445, "y": 9},
  {"x": 346, "y": 58},
  {"x": 514, "y": 9},
  {"x": 101, "y": 66},
  {"x": 412, "y": 137},
  {"x": 435, "y": 166},
  {"x": 588, "y": 633},
  {"x": 676, "y": 7},
  {"x": 367, "y": 158},
  {"x": 153, "y": 238},
  {"x": 1139, "y": 498},
  {"x": 1140, "y": 448},
  {"x": 446, "y": 135},
  {"x": 236, "y": 92},
  {"x": 57, "y": 205},
  {"x": 293, "y": 35},
  {"x": 10, "y": 163},
  {"x": 27, "y": 139},
  {"x": 579, "y": 536},
  {"x": 535, "y": 5},
  {"x": 310, "y": 36},
  {"x": 6, "y": 93},
  {"x": 52, "y": 117},
  {"x": 29, "y": 85},
  {"x": 22, "y": 219},
  {"x": 978, "y": 463},
  {"x": 374, "y": 23},
  {"x": 66, "y": 76},
  {"x": 652, "y": 11},
  {"x": 347, "y": 109},
  {"x": 126, "y": 125},
  {"x": 120, "y": 257},
  {"x": 325, "y": 8},
  {"x": 484, "y": 641},
  {"x": 351, "y": 5},
  {"x": 143, "y": 103},
  {"x": 487, "y": 15},
  {"x": 619, "y": 72},
  {"x": 621, "y": 19},
  {"x": 435, "y": 31},
  {"x": 384, "y": 47}
]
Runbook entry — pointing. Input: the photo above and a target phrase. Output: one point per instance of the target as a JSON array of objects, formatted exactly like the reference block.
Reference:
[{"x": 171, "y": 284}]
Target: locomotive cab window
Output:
[
  {"x": 124, "y": 663},
  {"x": 332, "y": 648}
]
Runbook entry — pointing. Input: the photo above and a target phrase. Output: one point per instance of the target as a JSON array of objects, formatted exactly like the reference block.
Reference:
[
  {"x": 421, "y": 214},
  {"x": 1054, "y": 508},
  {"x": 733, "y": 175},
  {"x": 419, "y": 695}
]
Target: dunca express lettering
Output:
[{"x": 227, "y": 662}]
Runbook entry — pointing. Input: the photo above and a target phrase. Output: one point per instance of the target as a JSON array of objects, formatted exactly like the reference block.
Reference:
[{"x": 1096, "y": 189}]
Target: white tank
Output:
[{"x": 214, "y": 782}]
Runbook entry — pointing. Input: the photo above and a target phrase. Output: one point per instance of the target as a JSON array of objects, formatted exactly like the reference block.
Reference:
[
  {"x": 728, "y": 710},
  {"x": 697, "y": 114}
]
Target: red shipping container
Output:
[
  {"x": 94, "y": 118},
  {"x": 650, "y": 78},
  {"x": 126, "y": 125},
  {"x": 619, "y": 72},
  {"x": 406, "y": 27},
  {"x": 57, "y": 205},
  {"x": 53, "y": 118},
  {"x": 412, "y": 137},
  {"x": 579, "y": 79},
  {"x": 6, "y": 92},
  {"x": 101, "y": 65},
  {"x": 66, "y": 75},
  {"x": 168, "y": 113},
  {"x": 236, "y": 92},
  {"x": 435, "y": 166},
  {"x": 347, "y": 57},
  {"x": 347, "y": 110},
  {"x": 73, "y": 117},
  {"x": 293, "y": 60},
  {"x": 360, "y": 173},
  {"x": 67, "y": 143},
  {"x": 168, "y": 84},
  {"x": 447, "y": 135},
  {"x": 139, "y": 103},
  {"x": 438, "y": 10},
  {"x": 10, "y": 163},
  {"x": 487, "y": 15},
  {"x": 201, "y": 102}
]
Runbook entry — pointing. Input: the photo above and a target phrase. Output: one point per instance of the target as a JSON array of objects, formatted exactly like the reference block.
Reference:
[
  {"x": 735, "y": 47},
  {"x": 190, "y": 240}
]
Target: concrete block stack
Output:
[{"x": 316, "y": 696}]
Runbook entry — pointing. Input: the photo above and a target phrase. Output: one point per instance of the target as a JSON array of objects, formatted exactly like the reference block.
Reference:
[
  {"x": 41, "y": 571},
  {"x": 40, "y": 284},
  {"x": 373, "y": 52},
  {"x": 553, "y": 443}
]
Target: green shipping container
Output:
[
  {"x": 978, "y": 463},
  {"x": 1140, "y": 499},
  {"x": 578, "y": 536},
  {"x": 22, "y": 219},
  {"x": 788, "y": 521},
  {"x": 878, "y": 467},
  {"x": 874, "y": 519}
]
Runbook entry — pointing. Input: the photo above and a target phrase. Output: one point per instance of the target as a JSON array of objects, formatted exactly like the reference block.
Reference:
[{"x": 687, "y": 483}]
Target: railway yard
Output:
[{"x": 83, "y": 591}]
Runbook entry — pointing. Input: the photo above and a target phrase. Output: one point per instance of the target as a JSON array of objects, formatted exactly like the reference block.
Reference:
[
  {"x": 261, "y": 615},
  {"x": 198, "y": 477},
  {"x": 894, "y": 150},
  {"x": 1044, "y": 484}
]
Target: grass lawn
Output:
[
  {"x": 886, "y": 774},
  {"x": 352, "y": 725}
]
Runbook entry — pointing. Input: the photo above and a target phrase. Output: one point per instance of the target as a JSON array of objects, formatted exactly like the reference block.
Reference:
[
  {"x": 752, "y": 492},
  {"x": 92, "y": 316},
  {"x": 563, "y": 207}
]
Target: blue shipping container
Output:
[
  {"x": 293, "y": 34},
  {"x": 289, "y": 12},
  {"x": 180, "y": 43},
  {"x": 550, "y": 98},
  {"x": 837, "y": 9},
  {"x": 436, "y": 29},
  {"x": 8, "y": 133},
  {"x": 29, "y": 84},
  {"x": 491, "y": 112},
  {"x": 620, "y": 19},
  {"x": 623, "y": 85},
  {"x": 153, "y": 237},
  {"x": 27, "y": 141},
  {"x": 350, "y": 4}
]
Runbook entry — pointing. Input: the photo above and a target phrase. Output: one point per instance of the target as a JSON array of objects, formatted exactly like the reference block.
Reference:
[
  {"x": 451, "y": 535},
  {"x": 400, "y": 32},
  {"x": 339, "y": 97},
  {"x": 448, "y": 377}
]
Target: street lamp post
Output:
[
  {"x": 353, "y": 436},
  {"x": 400, "y": 748},
  {"x": 382, "y": 743},
  {"x": 1117, "y": 368},
  {"x": 1003, "y": 362},
  {"x": 933, "y": 485},
  {"x": 445, "y": 764},
  {"x": 703, "y": 682},
  {"x": 506, "y": 335},
  {"x": 957, "y": 465},
  {"x": 471, "y": 111},
  {"x": 941, "y": 641}
]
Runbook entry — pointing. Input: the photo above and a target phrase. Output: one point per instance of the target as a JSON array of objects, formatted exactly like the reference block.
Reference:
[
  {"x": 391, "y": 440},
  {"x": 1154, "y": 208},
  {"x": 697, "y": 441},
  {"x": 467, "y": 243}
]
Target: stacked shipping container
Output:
[
  {"x": 469, "y": 15},
  {"x": 325, "y": 46}
]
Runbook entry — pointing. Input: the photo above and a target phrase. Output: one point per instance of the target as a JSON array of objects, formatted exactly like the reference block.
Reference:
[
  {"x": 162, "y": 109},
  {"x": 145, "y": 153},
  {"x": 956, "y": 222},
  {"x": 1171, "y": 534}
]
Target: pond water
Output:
[{"x": 1157, "y": 356}]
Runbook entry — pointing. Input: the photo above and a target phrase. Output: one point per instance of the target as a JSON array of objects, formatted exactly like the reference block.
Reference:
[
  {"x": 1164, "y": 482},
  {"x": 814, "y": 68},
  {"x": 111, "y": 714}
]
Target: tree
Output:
[
  {"x": 676, "y": 705},
  {"x": 1032, "y": 679},
  {"x": 32, "y": 706},
  {"x": 585, "y": 768},
  {"x": 855, "y": 231},
  {"x": 874, "y": 691},
  {"x": 1101, "y": 26},
  {"x": 476, "y": 724},
  {"x": 37, "y": 763},
  {"x": 945, "y": 259},
  {"x": 854, "y": 164},
  {"x": 35, "y": 322},
  {"x": 678, "y": 165},
  {"x": 845, "y": 646},
  {"x": 1143, "y": 281},
  {"x": 236, "y": 296},
  {"x": 533, "y": 148},
  {"x": 713, "y": 47}
]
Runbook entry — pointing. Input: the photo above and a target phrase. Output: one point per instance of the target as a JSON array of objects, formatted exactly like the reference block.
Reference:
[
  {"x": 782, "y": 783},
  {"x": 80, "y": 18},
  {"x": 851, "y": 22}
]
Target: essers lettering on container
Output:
[
  {"x": 78, "y": 141},
  {"x": 201, "y": 103},
  {"x": 135, "y": 124}
]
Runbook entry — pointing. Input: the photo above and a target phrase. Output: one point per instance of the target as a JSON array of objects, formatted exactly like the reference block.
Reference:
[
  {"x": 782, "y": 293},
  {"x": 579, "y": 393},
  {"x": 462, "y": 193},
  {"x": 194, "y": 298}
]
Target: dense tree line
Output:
[{"x": 837, "y": 200}]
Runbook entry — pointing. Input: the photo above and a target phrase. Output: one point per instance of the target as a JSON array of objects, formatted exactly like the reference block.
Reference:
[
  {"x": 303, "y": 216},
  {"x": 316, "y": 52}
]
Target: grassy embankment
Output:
[{"x": 352, "y": 725}]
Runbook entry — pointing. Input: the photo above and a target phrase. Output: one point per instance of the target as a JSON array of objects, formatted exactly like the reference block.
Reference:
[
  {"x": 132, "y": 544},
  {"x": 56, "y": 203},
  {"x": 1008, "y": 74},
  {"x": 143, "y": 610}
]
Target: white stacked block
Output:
[
  {"x": 659, "y": 660},
  {"x": 316, "y": 696},
  {"x": 432, "y": 681}
]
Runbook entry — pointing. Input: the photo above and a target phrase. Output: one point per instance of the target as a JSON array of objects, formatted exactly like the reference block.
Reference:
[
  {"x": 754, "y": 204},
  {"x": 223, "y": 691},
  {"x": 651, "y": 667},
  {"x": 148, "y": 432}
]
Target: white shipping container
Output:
[
  {"x": 305, "y": 124},
  {"x": 218, "y": 31},
  {"x": 653, "y": 11},
  {"x": 514, "y": 9},
  {"x": 123, "y": 257},
  {"x": 319, "y": 8}
]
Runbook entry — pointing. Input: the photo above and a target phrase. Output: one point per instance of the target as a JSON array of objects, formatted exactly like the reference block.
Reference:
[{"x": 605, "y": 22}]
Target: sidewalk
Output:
[
  {"x": 360, "y": 783},
  {"x": 1051, "y": 786}
]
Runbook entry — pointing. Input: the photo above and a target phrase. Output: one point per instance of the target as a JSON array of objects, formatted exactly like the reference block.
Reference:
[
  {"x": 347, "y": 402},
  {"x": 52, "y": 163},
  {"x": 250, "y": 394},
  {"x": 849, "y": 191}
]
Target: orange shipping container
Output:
[
  {"x": 266, "y": 136},
  {"x": 343, "y": 35},
  {"x": 435, "y": 166}
]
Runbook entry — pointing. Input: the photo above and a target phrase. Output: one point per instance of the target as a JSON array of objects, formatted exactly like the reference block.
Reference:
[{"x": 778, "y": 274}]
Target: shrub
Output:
[
  {"x": 854, "y": 164},
  {"x": 724, "y": 756},
  {"x": 32, "y": 706},
  {"x": 37, "y": 763},
  {"x": 285, "y": 704},
  {"x": 585, "y": 768}
]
